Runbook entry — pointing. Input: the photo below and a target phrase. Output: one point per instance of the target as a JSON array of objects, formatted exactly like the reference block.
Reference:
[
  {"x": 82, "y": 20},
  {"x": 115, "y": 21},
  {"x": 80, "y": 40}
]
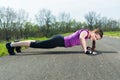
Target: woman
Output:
[{"x": 77, "y": 38}]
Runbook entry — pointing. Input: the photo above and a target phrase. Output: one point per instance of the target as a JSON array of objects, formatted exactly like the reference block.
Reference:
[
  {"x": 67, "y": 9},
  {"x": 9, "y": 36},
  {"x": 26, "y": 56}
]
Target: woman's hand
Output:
[
  {"x": 94, "y": 53},
  {"x": 90, "y": 51}
]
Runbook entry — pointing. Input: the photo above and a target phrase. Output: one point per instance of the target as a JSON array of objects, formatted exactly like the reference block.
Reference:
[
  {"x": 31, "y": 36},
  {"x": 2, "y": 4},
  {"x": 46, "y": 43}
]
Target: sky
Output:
[{"x": 76, "y": 8}]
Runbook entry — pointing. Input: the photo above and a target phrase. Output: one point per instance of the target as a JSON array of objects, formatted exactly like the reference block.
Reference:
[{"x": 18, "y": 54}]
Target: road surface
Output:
[{"x": 64, "y": 63}]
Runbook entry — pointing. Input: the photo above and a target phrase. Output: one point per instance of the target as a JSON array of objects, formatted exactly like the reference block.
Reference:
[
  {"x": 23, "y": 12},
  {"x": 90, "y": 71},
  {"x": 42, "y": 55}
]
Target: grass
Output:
[
  {"x": 32, "y": 38},
  {"x": 112, "y": 33},
  {"x": 3, "y": 50}
]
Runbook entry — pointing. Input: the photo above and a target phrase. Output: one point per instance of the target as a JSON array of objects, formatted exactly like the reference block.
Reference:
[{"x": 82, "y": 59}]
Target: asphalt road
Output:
[{"x": 64, "y": 63}]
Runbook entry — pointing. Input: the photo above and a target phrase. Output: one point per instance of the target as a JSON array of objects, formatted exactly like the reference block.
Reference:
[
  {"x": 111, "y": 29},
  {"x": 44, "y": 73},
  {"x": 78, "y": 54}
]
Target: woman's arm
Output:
[
  {"x": 82, "y": 40},
  {"x": 83, "y": 44},
  {"x": 93, "y": 45}
]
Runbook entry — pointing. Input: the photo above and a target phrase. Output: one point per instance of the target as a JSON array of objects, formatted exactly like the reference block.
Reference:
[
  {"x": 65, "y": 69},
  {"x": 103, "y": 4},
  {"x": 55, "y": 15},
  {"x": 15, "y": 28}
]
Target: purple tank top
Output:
[{"x": 73, "y": 39}]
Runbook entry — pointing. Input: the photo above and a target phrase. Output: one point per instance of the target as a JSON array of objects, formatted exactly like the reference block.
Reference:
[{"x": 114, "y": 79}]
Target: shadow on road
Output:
[
  {"x": 104, "y": 52},
  {"x": 52, "y": 52},
  {"x": 62, "y": 52},
  {"x": 100, "y": 52}
]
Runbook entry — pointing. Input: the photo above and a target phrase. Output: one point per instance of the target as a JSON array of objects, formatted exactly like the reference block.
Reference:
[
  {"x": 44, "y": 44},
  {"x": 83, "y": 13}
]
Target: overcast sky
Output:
[{"x": 76, "y": 8}]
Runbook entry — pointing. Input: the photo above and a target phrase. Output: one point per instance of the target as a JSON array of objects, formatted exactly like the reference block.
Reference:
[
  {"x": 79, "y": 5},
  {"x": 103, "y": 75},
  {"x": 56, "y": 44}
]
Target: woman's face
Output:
[{"x": 95, "y": 36}]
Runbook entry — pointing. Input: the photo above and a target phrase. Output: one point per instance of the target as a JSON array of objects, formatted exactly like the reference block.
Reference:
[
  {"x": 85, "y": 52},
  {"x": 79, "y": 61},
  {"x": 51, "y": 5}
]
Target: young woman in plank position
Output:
[{"x": 77, "y": 38}]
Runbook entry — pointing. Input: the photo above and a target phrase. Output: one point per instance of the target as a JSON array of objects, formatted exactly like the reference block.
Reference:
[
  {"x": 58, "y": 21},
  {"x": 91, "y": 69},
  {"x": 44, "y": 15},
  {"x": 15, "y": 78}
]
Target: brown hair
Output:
[{"x": 98, "y": 31}]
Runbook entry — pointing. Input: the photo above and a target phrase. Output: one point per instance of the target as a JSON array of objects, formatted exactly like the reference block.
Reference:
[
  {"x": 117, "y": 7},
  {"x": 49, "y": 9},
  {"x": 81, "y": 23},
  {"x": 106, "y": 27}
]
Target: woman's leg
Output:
[
  {"x": 56, "y": 41},
  {"x": 22, "y": 43},
  {"x": 10, "y": 46}
]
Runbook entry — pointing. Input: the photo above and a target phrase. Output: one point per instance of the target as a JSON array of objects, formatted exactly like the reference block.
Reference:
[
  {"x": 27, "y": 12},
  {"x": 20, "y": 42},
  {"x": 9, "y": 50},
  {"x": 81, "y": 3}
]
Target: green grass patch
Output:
[
  {"x": 66, "y": 34},
  {"x": 32, "y": 38},
  {"x": 112, "y": 33},
  {"x": 3, "y": 50}
]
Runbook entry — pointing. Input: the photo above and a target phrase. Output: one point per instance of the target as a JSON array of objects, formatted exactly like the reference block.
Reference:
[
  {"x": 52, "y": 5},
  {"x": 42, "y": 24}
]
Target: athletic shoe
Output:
[
  {"x": 10, "y": 49},
  {"x": 18, "y": 49}
]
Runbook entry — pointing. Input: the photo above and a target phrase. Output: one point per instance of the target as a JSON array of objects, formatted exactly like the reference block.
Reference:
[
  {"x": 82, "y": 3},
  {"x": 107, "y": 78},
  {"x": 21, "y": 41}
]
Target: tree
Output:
[
  {"x": 93, "y": 20},
  {"x": 45, "y": 19},
  {"x": 21, "y": 19},
  {"x": 65, "y": 19},
  {"x": 7, "y": 18}
]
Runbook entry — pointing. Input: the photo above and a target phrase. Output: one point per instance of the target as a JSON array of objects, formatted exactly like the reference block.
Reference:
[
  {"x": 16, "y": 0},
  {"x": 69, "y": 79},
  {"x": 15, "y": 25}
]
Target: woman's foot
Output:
[
  {"x": 18, "y": 49},
  {"x": 10, "y": 49}
]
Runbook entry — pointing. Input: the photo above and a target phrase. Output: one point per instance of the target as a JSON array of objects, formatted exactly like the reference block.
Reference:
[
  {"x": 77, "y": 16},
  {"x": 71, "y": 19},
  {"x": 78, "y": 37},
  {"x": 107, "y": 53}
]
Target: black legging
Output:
[{"x": 56, "y": 41}]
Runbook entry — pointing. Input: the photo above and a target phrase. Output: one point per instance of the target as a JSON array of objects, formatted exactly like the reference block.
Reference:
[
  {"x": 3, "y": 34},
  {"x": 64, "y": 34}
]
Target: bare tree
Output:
[
  {"x": 112, "y": 24},
  {"x": 21, "y": 19},
  {"x": 93, "y": 20},
  {"x": 7, "y": 18},
  {"x": 119, "y": 23},
  {"x": 65, "y": 19},
  {"x": 46, "y": 19}
]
